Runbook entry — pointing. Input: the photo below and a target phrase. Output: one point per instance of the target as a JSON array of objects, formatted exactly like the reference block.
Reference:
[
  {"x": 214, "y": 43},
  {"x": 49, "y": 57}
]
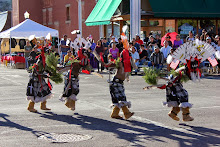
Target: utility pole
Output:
[
  {"x": 135, "y": 18},
  {"x": 80, "y": 15}
]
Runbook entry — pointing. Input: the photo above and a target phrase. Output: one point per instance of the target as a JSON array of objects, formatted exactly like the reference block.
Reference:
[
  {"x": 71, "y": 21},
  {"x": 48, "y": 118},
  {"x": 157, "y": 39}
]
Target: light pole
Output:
[
  {"x": 80, "y": 15},
  {"x": 135, "y": 18}
]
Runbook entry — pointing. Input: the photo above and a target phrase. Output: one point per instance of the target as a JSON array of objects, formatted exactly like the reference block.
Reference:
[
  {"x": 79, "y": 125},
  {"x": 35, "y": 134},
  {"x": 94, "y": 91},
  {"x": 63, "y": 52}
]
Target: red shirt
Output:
[
  {"x": 126, "y": 60},
  {"x": 140, "y": 41}
]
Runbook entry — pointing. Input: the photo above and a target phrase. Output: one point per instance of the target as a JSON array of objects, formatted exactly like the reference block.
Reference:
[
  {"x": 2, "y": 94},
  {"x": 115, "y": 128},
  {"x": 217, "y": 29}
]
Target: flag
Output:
[
  {"x": 213, "y": 61},
  {"x": 174, "y": 64}
]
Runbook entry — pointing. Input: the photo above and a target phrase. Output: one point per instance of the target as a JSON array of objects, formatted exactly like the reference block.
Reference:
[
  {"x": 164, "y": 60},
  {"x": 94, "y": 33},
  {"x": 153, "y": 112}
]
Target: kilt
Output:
[
  {"x": 71, "y": 87},
  {"x": 37, "y": 89},
  {"x": 117, "y": 90},
  {"x": 176, "y": 93}
]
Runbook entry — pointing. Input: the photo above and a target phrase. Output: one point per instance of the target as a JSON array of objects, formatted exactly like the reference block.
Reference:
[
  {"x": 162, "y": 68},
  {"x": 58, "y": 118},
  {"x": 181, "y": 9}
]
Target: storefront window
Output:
[
  {"x": 154, "y": 26},
  {"x": 170, "y": 25},
  {"x": 116, "y": 29}
]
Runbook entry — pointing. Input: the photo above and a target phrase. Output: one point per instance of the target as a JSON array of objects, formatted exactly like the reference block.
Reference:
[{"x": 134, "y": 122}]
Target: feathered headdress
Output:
[{"x": 192, "y": 54}]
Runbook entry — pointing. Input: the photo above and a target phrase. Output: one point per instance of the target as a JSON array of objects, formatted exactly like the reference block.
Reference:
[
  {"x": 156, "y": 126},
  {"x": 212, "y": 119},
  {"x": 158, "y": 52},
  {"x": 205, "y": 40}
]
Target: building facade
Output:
[
  {"x": 160, "y": 17},
  {"x": 57, "y": 14}
]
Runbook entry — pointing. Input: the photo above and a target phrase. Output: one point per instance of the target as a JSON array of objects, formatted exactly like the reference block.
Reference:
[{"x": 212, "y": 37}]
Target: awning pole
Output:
[
  {"x": 10, "y": 50},
  {"x": 10, "y": 45}
]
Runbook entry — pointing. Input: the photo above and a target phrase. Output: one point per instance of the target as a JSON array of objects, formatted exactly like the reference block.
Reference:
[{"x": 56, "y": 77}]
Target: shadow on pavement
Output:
[
  {"x": 135, "y": 131},
  {"x": 214, "y": 77},
  {"x": 10, "y": 124}
]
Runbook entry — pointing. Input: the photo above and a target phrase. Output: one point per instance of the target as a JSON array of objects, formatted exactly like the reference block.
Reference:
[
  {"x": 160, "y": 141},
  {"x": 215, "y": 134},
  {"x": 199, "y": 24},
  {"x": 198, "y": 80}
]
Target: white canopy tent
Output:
[{"x": 27, "y": 28}]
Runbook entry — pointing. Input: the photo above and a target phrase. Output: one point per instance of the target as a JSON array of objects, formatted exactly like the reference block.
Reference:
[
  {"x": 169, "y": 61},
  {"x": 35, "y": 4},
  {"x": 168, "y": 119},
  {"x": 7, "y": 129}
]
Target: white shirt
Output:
[
  {"x": 213, "y": 44},
  {"x": 217, "y": 47},
  {"x": 165, "y": 50},
  {"x": 135, "y": 55}
]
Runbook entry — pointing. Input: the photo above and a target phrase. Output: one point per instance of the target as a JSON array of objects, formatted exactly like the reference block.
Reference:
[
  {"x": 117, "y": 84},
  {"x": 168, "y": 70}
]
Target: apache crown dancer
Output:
[
  {"x": 116, "y": 86},
  {"x": 117, "y": 91},
  {"x": 38, "y": 90},
  {"x": 71, "y": 88},
  {"x": 71, "y": 84},
  {"x": 191, "y": 54}
]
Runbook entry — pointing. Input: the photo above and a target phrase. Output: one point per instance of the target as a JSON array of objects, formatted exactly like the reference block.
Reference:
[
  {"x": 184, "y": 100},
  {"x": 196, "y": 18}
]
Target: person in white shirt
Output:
[
  {"x": 165, "y": 49},
  {"x": 209, "y": 40},
  {"x": 135, "y": 56},
  {"x": 217, "y": 47}
]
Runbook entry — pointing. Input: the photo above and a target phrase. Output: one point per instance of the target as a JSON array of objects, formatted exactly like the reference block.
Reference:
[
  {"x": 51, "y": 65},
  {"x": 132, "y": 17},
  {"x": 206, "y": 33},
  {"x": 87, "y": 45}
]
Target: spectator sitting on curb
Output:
[
  {"x": 165, "y": 49},
  {"x": 138, "y": 40},
  {"x": 177, "y": 42},
  {"x": 156, "y": 58},
  {"x": 68, "y": 57},
  {"x": 143, "y": 55}
]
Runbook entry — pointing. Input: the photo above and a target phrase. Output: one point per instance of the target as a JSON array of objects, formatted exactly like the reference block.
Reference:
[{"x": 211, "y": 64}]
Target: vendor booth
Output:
[{"x": 22, "y": 31}]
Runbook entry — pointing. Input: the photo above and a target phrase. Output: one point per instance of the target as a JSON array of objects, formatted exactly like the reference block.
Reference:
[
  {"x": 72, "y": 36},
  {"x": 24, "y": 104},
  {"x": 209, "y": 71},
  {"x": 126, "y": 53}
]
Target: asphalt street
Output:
[{"x": 90, "y": 124}]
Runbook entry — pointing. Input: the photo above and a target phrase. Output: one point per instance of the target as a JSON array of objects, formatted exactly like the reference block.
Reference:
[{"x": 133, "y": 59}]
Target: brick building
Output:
[{"x": 58, "y": 14}]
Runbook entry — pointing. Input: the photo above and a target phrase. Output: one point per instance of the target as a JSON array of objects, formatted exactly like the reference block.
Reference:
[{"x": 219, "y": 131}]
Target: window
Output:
[
  {"x": 50, "y": 16},
  {"x": 68, "y": 13},
  {"x": 44, "y": 16}
]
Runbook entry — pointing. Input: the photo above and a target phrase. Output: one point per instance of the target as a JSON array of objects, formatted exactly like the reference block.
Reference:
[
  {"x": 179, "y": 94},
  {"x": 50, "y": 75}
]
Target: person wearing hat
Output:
[
  {"x": 156, "y": 58},
  {"x": 209, "y": 40},
  {"x": 113, "y": 40},
  {"x": 32, "y": 40},
  {"x": 38, "y": 90}
]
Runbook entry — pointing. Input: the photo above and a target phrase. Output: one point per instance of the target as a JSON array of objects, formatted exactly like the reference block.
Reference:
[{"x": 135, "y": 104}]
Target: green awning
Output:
[
  {"x": 102, "y": 12},
  {"x": 185, "y": 8}
]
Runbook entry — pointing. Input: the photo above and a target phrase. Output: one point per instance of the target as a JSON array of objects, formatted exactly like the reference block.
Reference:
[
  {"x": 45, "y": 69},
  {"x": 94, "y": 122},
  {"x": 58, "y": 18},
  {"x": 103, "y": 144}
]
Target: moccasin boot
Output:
[
  {"x": 68, "y": 103},
  {"x": 43, "y": 106},
  {"x": 186, "y": 116},
  {"x": 72, "y": 104},
  {"x": 115, "y": 113},
  {"x": 31, "y": 107},
  {"x": 127, "y": 113},
  {"x": 173, "y": 113}
]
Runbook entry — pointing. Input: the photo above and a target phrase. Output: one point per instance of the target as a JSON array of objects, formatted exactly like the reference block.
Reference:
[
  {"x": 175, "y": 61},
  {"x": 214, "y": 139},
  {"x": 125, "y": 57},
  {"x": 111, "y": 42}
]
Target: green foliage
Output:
[
  {"x": 184, "y": 77},
  {"x": 57, "y": 78},
  {"x": 117, "y": 62},
  {"x": 51, "y": 67},
  {"x": 72, "y": 61},
  {"x": 52, "y": 61},
  {"x": 151, "y": 75}
]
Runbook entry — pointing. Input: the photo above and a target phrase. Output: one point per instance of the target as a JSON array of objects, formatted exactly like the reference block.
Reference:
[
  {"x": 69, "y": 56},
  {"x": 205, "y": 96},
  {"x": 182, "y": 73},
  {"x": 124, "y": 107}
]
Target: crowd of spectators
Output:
[{"x": 148, "y": 52}]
